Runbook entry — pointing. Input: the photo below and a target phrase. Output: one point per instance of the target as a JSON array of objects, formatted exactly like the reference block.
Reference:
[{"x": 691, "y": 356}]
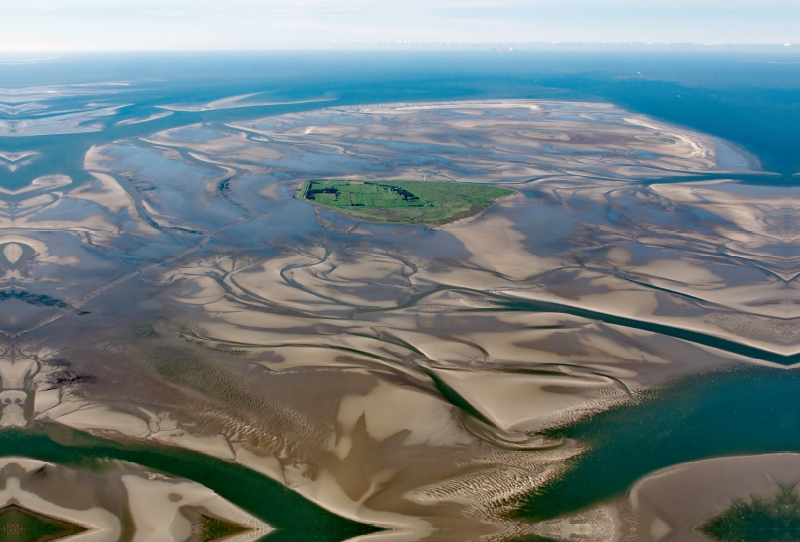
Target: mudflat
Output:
[{"x": 411, "y": 369}]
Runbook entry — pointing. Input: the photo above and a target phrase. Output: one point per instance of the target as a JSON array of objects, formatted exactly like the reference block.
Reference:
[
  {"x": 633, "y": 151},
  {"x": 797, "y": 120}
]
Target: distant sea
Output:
[{"x": 750, "y": 99}]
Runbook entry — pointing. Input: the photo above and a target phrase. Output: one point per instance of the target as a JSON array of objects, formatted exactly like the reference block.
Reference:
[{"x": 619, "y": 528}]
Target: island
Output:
[{"x": 406, "y": 202}]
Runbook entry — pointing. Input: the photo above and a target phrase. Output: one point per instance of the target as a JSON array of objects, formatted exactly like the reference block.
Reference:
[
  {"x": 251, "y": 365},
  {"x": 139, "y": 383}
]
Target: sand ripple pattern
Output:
[{"x": 177, "y": 291}]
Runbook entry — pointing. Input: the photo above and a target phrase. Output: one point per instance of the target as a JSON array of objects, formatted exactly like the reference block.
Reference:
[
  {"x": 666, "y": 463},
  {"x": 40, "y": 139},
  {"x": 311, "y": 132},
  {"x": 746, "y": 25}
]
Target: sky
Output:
[{"x": 147, "y": 25}]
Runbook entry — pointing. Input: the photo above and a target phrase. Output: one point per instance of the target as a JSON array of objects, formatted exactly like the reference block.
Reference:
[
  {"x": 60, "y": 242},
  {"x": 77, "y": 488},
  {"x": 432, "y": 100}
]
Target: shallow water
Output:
[
  {"x": 294, "y": 517},
  {"x": 167, "y": 301},
  {"x": 713, "y": 414}
]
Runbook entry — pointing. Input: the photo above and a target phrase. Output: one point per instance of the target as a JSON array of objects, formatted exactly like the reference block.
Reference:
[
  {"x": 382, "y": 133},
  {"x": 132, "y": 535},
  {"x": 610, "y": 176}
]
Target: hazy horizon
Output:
[
  {"x": 437, "y": 270},
  {"x": 179, "y": 25}
]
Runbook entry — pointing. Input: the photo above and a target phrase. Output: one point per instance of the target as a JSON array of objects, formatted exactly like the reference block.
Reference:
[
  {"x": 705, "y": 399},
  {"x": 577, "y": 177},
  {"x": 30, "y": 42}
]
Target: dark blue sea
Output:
[{"x": 750, "y": 99}]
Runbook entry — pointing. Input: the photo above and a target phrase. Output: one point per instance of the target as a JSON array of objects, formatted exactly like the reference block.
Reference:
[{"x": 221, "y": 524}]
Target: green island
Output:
[{"x": 406, "y": 202}]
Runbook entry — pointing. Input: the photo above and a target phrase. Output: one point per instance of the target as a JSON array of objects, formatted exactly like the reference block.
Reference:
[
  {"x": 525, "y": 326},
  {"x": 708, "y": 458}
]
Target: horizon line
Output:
[{"x": 398, "y": 44}]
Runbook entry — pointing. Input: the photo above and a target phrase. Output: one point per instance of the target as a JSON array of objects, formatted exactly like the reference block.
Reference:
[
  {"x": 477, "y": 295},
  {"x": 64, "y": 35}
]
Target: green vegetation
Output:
[
  {"x": 405, "y": 202},
  {"x": 20, "y": 525},
  {"x": 772, "y": 519}
]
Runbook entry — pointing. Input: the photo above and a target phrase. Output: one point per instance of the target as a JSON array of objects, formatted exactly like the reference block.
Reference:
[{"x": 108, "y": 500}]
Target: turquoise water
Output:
[
  {"x": 295, "y": 518},
  {"x": 689, "y": 335},
  {"x": 751, "y": 99},
  {"x": 712, "y": 414},
  {"x": 748, "y": 98}
]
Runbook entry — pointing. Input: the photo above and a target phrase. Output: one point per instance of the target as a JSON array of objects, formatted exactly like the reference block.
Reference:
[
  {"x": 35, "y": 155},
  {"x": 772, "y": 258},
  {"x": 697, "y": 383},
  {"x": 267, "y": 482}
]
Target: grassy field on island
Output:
[{"x": 406, "y": 202}]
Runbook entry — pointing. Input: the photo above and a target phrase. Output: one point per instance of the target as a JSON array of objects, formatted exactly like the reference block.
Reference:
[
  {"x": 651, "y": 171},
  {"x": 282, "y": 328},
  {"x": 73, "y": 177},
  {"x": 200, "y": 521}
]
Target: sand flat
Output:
[{"x": 185, "y": 295}]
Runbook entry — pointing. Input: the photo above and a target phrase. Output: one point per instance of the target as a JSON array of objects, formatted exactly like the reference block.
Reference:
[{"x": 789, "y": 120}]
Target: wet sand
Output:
[
  {"x": 672, "y": 504},
  {"x": 398, "y": 375},
  {"x": 119, "y": 501}
]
